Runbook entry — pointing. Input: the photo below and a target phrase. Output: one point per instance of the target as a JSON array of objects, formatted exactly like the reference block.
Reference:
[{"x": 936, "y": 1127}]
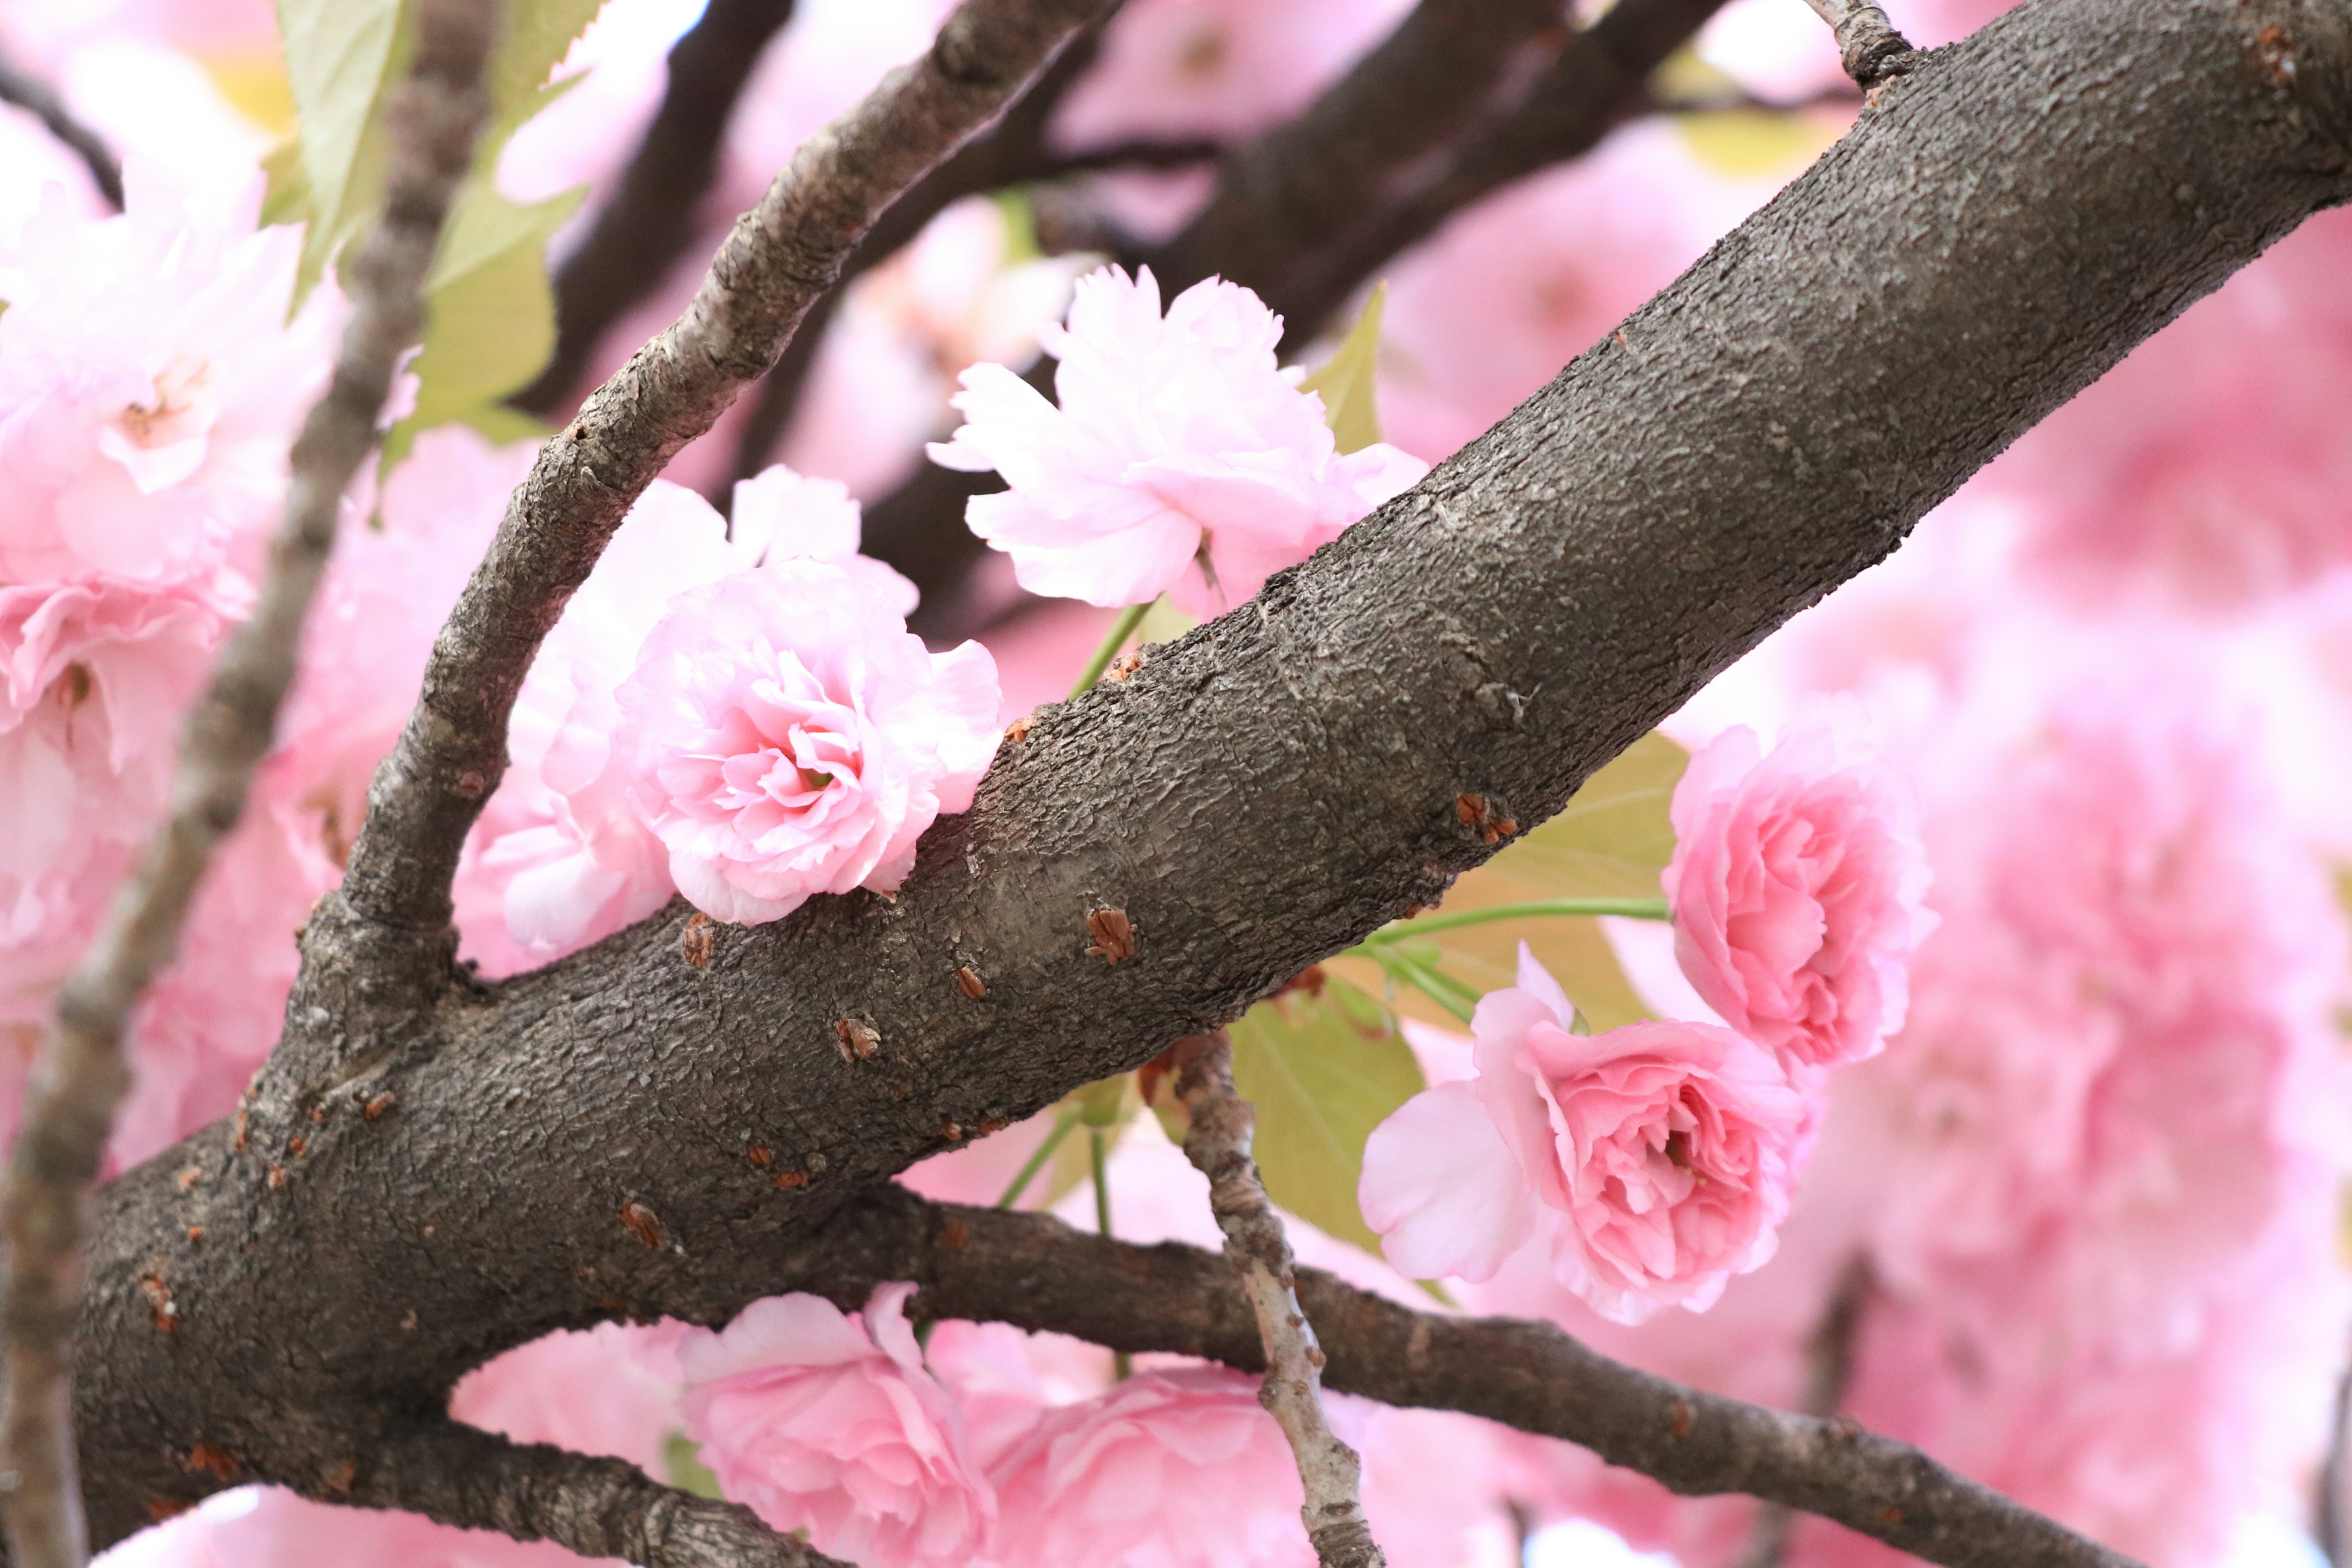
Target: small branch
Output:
[
  {"x": 2333, "y": 1526},
  {"x": 81, "y": 1076},
  {"x": 1829, "y": 1373},
  {"x": 1868, "y": 45},
  {"x": 645, "y": 228},
  {"x": 594, "y": 1506},
  {"x": 1038, "y": 1274},
  {"x": 781, "y": 258},
  {"x": 37, "y": 98},
  {"x": 1144, "y": 153},
  {"x": 1217, "y": 1141}
]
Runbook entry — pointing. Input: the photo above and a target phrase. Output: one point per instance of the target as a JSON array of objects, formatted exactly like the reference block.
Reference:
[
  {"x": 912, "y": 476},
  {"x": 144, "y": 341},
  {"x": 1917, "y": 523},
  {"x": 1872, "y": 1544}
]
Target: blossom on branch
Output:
[
  {"x": 831, "y": 1424},
  {"x": 1654, "y": 1161},
  {"x": 1796, "y": 885},
  {"x": 1180, "y": 461}
]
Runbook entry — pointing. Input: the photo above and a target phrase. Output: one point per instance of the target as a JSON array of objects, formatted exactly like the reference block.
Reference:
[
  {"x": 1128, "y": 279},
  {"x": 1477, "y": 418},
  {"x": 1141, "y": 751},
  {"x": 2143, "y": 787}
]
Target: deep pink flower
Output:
[
  {"x": 1180, "y": 461},
  {"x": 1796, "y": 885},
  {"x": 1656, "y": 1160},
  {"x": 1174, "y": 1468},
  {"x": 784, "y": 735},
  {"x": 831, "y": 1424}
]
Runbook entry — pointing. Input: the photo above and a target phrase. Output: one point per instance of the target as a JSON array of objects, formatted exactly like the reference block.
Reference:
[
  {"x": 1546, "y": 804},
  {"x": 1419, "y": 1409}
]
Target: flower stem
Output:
[
  {"x": 1037, "y": 1161},
  {"x": 1098, "y": 1138},
  {"x": 1120, "y": 630},
  {"x": 1422, "y": 925}
]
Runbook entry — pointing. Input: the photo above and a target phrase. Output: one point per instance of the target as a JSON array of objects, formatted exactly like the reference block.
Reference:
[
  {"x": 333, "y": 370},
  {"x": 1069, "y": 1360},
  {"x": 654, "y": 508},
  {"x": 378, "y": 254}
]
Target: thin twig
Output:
[
  {"x": 648, "y": 224},
  {"x": 781, "y": 258},
  {"x": 2333, "y": 1525},
  {"x": 1217, "y": 1141},
  {"x": 1828, "y": 1371},
  {"x": 37, "y": 98},
  {"x": 1868, "y": 45},
  {"x": 81, "y": 1074},
  {"x": 597, "y": 1507}
]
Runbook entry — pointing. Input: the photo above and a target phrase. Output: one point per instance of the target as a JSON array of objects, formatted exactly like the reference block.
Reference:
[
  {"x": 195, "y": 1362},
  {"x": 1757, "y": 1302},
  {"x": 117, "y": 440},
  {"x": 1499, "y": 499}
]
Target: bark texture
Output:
[{"x": 647, "y": 1126}]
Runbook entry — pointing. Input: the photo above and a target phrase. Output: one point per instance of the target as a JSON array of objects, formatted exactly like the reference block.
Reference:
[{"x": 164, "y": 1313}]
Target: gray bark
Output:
[{"x": 630, "y": 1132}]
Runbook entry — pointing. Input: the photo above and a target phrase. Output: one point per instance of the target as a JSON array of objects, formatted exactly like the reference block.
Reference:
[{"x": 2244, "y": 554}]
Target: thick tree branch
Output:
[
  {"x": 1033, "y": 1272},
  {"x": 37, "y": 98},
  {"x": 647, "y": 1128},
  {"x": 80, "y": 1075},
  {"x": 645, "y": 229},
  {"x": 596, "y": 1507},
  {"x": 779, "y": 258},
  {"x": 1217, "y": 1141}
]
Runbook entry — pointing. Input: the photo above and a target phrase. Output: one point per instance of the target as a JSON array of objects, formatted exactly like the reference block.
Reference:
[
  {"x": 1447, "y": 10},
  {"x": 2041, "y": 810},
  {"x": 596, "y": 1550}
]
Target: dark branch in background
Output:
[
  {"x": 650, "y": 1127},
  {"x": 781, "y": 258},
  {"x": 1217, "y": 1141},
  {"x": 597, "y": 1507},
  {"x": 1010, "y": 153},
  {"x": 1465, "y": 97},
  {"x": 1037, "y": 1273},
  {"x": 648, "y": 224},
  {"x": 1868, "y": 45},
  {"x": 39, "y": 99},
  {"x": 2332, "y": 1518},
  {"x": 81, "y": 1076},
  {"x": 1828, "y": 1371}
]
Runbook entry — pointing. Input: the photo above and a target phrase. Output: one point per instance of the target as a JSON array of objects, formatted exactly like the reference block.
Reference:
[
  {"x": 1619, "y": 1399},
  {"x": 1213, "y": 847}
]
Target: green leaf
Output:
[
  {"x": 1346, "y": 380},
  {"x": 539, "y": 34},
  {"x": 1611, "y": 840},
  {"x": 1323, "y": 1068},
  {"x": 339, "y": 60},
  {"x": 489, "y": 316},
  {"x": 682, "y": 1458}
]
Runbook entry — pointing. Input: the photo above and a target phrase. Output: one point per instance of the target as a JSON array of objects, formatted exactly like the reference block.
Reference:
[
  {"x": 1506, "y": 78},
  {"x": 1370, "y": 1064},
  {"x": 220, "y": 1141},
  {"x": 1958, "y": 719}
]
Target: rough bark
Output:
[{"x": 644, "y": 1127}]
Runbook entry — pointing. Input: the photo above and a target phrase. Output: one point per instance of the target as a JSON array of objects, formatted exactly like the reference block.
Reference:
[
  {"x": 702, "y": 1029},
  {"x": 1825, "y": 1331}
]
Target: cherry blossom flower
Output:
[
  {"x": 1796, "y": 885},
  {"x": 1180, "y": 461},
  {"x": 561, "y": 857},
  {"x": 149, "y": 385},
  {"x": 830, "y": 1424},
  {"x": 1656, "y": 1160},
  {"x": 786, "y": 736},
  {"x": 1122, "y": 1480}
]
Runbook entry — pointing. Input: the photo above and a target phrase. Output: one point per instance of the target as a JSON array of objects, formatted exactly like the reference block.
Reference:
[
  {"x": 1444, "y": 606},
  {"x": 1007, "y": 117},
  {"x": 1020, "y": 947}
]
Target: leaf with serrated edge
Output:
[
  {"x": 1348, "y": 382},
  {"x": 1322, "y": 1071},
  {"x": 1611, "y": 840}
]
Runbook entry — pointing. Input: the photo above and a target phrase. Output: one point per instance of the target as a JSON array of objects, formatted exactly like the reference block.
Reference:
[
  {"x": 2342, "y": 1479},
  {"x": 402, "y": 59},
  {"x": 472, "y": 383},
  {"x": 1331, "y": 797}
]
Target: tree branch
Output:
[
  {"x": 647, "y": 226},
  {"x": 1868, "y": 45},
  {"x": 1829, "y": 1373},
  {"x": 594, "y": 1506},
  {"x": 80, "y": 1076},
  {"x": 632, "y": 1133},
  {"x": 1035, "y": 1272},
  {"x": 1217, "y": 1141},
  {"x": 781, "y": 258},
  {"x": 37, "y": 98}
]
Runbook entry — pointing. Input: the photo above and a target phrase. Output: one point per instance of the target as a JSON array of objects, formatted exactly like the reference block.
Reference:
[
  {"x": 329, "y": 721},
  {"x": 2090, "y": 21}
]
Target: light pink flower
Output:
[
  {"x": 1180, "y": 461},
  {"x": 784, "y": 735},
  {"x": 831, "y": 1424},
  {"x": 1657, "y": 1159},
  {"x": 150, "y": 385},
  {"x": 561, "y": 857},
  {"x": 1796, "y": 886},
  {"x": 1175, "y": 1469}
]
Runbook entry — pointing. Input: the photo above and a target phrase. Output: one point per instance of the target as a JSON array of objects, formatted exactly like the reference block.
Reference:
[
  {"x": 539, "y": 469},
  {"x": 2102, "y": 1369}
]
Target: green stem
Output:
[
  {"x": 1122, "y": 1364},
  {"x": 1422, "y": 925},
  {"x": 1120, "y": 630},
  {"x": 1037, "y": 1162}
]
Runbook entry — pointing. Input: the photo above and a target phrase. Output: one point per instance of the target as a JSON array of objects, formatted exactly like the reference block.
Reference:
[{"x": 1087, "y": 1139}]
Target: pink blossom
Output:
[
  {"x": 1171, "y": 1468},
  {"x": 830, "y": 1424},
  {"x": 784, "y": 735},
  {"x": 1180, "y": 461},
  {"x": 267, "y": 1527},
  {"x": 613, "y": 1389},
  {"x": 561, "y": 857},
  {"x": 150, "y": 385},
  {"x": 1656, "y": 1159},
  {"x": 1796, "y": 885}
]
